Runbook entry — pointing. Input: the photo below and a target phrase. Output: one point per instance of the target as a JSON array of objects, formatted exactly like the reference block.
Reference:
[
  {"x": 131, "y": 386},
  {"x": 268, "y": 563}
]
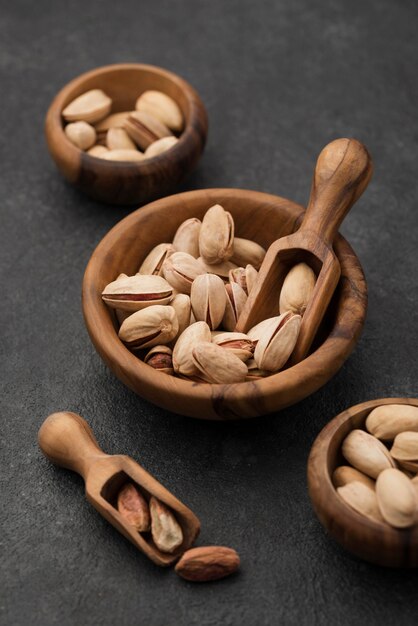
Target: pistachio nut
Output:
[
  {"x": 238, "y": 343},
  {"x": 388, "y": 420},
  {"x": 217, "y": 365},
  {"x": 345, "y": 474},
  {"x": 165, "y": 529},
  {"x": 247, "y": 252},
  {"x": 90, "y": 107},
  {"x": 396, "y": 498},
  {"x": 180, "y": 269},
  {"x": 144, "y": 129},
  {"x": 160, "y": 146},
  {"x": 182, "y": 306},
  {"x": 235, "y": 302},
  {"x": 81, "y": 134},
  {"x": 186, "y": 238},
  {"x": 162, "y": 107},
  {"x": 297, "y": 289},
  {"x": 97, "y": 151},
  {"x": 216, "y": 239},
  {"x": 362, "y": 499},
  {"x": 366, "y": 453},
  {"x": 275, "y": 340},
  {"x": 244, "y": 277},
  {"x": 220, "y": 269},
  {"x": 118, "y": 139},
  {"x": 153, "y": 262},
  {"x": 133, "y": 507},
  {"x": 182, "y": 354},
  {"x": 149, "y": 327},
  {"x": 405, "y": 450},
  {"x": 115, "y": 120},
  {"x": 132, "y": 293},
  {"x": 123, "y": 155},
  {"x": 161, "y": 359},
  {"x": 208, "y": 299}
]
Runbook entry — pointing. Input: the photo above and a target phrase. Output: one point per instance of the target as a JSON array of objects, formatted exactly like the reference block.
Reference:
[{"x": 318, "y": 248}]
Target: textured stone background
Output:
[{"x": 280, "y": 79}]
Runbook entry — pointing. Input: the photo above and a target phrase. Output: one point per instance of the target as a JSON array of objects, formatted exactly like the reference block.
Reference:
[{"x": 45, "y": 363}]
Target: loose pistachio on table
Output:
[{"x": 146, "y": 132}]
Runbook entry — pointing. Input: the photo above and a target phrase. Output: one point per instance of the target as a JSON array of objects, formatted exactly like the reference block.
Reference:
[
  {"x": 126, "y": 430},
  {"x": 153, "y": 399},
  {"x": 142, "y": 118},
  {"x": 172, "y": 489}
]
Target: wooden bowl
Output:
[
  {"x": 369, "y": 540},
  {"x": 124, "y": 182},
  {"x": 257, "y": 216}
]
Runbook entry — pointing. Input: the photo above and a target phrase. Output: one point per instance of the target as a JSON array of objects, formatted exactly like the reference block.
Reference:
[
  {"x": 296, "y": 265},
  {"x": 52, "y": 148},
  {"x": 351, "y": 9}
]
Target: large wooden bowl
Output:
[
  {"x": 369, "y": 540},
  {"x": 257, "y": 216},
  {"x": 124, "y": 182}
]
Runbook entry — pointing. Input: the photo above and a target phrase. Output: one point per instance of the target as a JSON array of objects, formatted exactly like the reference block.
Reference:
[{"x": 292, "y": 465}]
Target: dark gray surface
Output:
[{"x": 280, "y": 79}]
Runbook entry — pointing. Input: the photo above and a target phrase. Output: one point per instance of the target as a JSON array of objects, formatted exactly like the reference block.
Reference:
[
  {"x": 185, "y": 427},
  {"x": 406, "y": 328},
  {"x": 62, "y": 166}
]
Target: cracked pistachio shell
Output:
[
  {"x": 414, "y": 482},
  {"x": 216, "y": 239},
  {"x": 276, "y": 338},
  {"x": 405, "y": 447},
  {"x": 244, "y": 277},
  {"x": 153, "y": 262},
  {"x": 182, "y": 306},
  {"x": 162, "y": 107},
  {"x": 160, "y": 146},
  {"x": 388, "y": 420},
  {"x": 186, "y": 238},
  {"x": 208, "y": 299},
  {"x": 118, "y": 139},
  {"x": 247, "y": 252},
  {"x": 150, "y": 327},
  {"x": 115, "y": 120},
  {"x": 220, "y": 269},
  {"x": 132, "y": 293},
  {"x": 235, "y": 302},
  {"x": 90, "y": 107},
  {"x": 366, "y": 453},
  {"x": 97, "y": 151},
  {"x": 144, "y": 129},
  {"x": 217, "y": 365},
  {"x": 180, "y": 270},
  {"x": 396, "y": 498},
  {"x": 238, "y": 343},
  {"x": 160, "y": 358},
  {"x": 297, "y": 289},
  {"x": 345, "y": 474},
  {"x": 362, "y": 499},
  {"x": 182, "y": 353},
  {"x": 254, "y": 371},
  {"x": 81, "y": 134}
]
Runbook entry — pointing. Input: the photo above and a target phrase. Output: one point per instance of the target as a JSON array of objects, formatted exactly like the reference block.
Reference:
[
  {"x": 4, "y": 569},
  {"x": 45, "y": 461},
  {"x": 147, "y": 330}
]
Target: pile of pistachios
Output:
[
  {"x": 151, "y": 129},
  {"x": 381, "y": 481},
  {"x": 179, "y": 311}
]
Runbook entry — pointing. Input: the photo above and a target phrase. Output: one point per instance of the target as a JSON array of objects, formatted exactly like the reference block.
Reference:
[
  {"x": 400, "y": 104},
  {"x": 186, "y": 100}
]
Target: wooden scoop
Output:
[
  {"x": 67, "y": 440},
  {"x": 342, "y": 173}
]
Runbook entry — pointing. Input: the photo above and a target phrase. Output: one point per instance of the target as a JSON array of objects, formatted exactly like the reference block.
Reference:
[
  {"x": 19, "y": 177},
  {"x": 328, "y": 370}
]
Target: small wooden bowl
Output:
[
  {"x": 123, "y": 182},
  {"x": 374, "y": 542},
  {"x": 258, "y": 216}
]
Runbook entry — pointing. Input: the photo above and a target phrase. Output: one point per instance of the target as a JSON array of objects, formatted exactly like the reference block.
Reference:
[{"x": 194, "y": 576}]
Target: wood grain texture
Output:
[
  {"x": 67, "y": 440},
  {"x": 127, "y": 244},
  {"x": 342, "y": 172},
  {"x": 374, "y": 542},
  {"x": 120, "y": 182}
]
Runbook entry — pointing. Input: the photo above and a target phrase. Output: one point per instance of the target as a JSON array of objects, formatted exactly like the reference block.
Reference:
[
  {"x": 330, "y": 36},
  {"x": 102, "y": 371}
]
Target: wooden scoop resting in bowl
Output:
[
  {"x": 67, "y": 440},
  {"x": 342, "y": 173}
]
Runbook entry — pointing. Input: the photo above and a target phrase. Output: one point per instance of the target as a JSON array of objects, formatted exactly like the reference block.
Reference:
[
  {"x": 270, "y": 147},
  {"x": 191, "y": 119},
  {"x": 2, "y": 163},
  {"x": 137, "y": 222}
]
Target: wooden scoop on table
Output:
[
  {"x": 343, "y": 171},
  {"x": 67, "y": 440}
]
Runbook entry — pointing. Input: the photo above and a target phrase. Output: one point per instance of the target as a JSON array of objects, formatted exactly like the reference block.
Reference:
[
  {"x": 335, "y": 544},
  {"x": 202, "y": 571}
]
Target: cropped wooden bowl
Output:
[
  {"x": 257, "y": 216},
  {"x": 123, "y": 182},
  {"x": 374, "y": 542}
]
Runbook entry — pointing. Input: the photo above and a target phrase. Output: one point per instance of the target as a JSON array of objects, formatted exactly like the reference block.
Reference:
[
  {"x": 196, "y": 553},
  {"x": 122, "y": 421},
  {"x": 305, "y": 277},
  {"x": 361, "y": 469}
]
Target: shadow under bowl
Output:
[
  {"x": 262, "y": 218},
  {"x": 123, "y": 182},
  {"x": 374, "y": 542}
]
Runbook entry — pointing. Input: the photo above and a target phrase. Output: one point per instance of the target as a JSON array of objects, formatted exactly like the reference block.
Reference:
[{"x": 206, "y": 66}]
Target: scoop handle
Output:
[
  {"x": 342, "y": 172},
  {"x": 67, "y": 440}
]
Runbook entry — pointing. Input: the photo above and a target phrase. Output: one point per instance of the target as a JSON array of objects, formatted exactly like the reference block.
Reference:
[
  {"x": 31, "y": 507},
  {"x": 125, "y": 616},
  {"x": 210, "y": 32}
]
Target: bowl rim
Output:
[
  {"x": 54, "y": 123},
  {"x": 309, "y": 375},
  {"x": 333, "y": 513}
]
